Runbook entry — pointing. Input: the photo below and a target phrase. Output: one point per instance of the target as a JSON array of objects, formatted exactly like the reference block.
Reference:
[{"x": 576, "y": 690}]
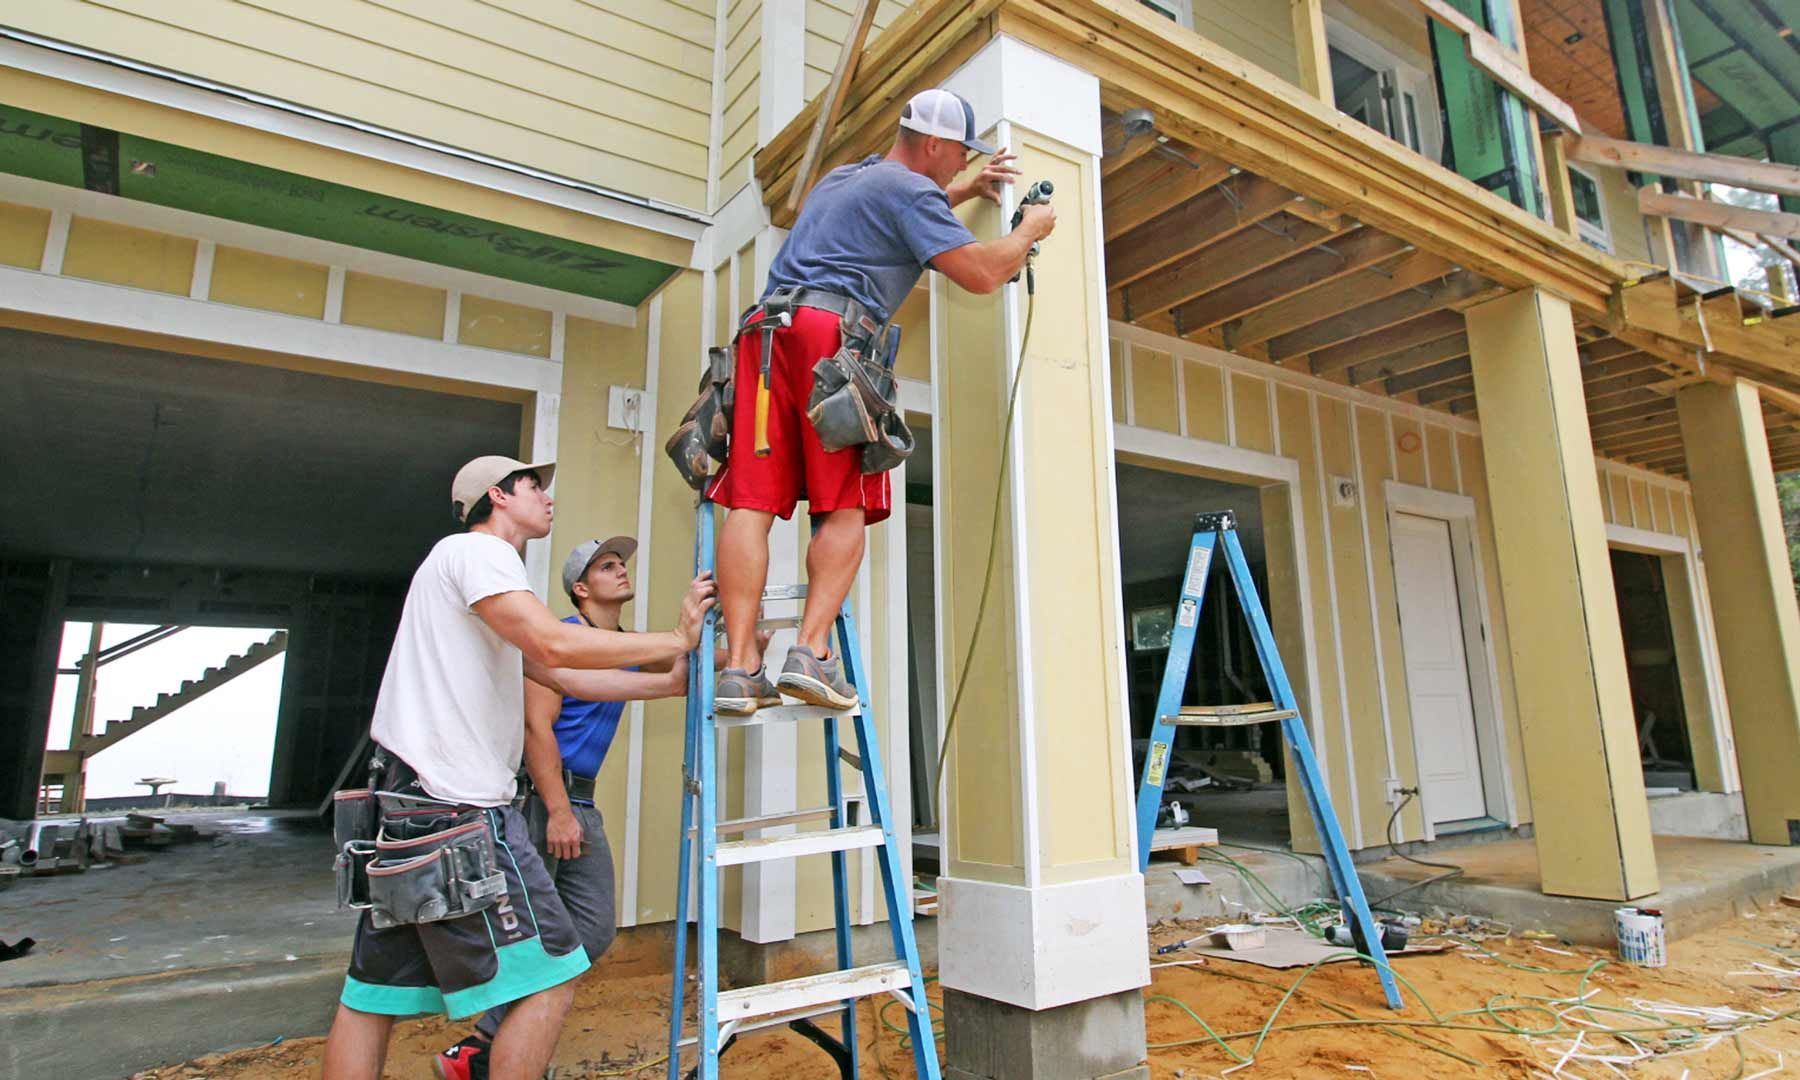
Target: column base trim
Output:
[{"x": 1042, "y": 947}]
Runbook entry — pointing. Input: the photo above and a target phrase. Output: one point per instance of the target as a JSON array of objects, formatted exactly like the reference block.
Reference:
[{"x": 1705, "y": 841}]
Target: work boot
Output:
[
  {"x": 815, "y": 681},
  {"x": 741, "y": 693},
  {"x": 467, "y": 1060}
]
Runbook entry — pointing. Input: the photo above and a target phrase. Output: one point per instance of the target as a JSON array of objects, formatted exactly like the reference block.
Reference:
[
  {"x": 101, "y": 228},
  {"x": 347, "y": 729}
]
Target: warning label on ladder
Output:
[{"x": 1196, "y": 571}]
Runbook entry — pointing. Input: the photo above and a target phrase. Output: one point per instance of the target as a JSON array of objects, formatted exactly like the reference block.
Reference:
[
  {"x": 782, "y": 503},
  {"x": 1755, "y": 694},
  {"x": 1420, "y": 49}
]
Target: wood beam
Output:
[
  {"x": 1668, "y": 161},
  {"x": 1406, "y": 361},
  {"x": 849, "y": 53},
  {"x": 1239, "y": 203},
  {"x": 1601, "y": 370},
  {"x": 1217, "y": 265},
  {"x": 1344, "y": 255},
  {"x": 1561, "y": 193},
  {"x": 1327, "y": 300},
  {"x": 1371, "y": 315},
  {"x": 1209, "y": 97},
  {"x": 1450, "y": 391},
  {"x": 1504, "y": 64},
  {"x": 1718, "y": 215},
  {"x": 1312, "y": 52},
  {"x": 1431, "y": 375},
  {"x": 1134, "y": 149},
  {"x": 1438, "y": 324},
  {"x": 1167, "y": 190}
]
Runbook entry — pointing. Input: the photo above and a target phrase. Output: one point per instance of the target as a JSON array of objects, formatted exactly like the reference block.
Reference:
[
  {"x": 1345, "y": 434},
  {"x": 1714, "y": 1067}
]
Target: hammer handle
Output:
[{"x": 762, "y": 415}]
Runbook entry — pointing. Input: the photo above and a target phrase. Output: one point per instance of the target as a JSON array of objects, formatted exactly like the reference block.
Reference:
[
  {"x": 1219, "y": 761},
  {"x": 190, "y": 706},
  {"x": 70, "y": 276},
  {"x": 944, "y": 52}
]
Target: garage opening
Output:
[
  {"x": 1231, "y": 779},
  {"x": 1654, "y": 672},
  {"x": 236, "y": 497}
]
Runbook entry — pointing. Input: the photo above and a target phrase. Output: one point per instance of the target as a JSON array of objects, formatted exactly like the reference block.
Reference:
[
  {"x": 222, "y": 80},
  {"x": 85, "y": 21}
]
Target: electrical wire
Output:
[
  {"x": 1451, "y": 871},
  {"x": 987, "y": 575}
]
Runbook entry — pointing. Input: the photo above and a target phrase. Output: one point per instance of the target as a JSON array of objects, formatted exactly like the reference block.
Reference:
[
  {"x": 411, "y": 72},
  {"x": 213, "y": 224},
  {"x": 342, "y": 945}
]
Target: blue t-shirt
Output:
[
  {"x": 585, "y": 729},
  {"x": 867, "y": 231}
]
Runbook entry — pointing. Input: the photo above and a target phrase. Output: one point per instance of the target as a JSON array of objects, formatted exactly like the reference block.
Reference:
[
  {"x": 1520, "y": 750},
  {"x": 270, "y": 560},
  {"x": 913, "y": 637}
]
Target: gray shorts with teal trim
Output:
[{"x": 525, "y": 943}]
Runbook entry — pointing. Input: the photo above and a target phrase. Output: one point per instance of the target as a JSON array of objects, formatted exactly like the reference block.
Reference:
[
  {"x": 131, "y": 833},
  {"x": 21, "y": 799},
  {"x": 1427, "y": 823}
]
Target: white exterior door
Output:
[{"x": 1437, "y": 669}]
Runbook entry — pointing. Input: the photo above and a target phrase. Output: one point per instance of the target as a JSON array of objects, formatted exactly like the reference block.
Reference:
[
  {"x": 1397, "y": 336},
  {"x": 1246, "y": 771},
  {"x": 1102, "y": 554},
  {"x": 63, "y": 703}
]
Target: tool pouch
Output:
[
  {"x": 353, "y": 826},
  {"x": 854, "y": 402},
  {"x": 699, "y": 443},
  {"x": 445, "y": 874}
]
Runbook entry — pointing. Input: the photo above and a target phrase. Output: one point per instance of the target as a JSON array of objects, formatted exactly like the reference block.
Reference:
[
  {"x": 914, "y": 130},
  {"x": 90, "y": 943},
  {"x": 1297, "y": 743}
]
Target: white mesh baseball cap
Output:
[{"x": 943, "y": 114}]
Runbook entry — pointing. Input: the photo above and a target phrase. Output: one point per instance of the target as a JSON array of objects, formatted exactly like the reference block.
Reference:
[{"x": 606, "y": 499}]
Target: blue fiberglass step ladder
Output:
[
  {"x": 722, "y": 1015},
  {"x": 1215, "y": 531}
]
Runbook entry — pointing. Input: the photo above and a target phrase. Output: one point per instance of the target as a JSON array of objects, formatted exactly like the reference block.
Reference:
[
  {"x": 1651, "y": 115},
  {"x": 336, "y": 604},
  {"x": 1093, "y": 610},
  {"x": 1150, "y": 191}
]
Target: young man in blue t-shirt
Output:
[{"x": 566, "y": 740}]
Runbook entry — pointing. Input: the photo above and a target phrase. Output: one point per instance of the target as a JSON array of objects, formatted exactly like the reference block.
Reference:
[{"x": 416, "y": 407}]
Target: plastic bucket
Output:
[{"x": 1641, "y": 937}]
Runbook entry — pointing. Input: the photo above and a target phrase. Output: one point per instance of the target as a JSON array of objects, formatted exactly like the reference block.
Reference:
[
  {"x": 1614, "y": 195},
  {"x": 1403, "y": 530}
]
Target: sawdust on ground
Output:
[{"x": 618, "y": 1026}]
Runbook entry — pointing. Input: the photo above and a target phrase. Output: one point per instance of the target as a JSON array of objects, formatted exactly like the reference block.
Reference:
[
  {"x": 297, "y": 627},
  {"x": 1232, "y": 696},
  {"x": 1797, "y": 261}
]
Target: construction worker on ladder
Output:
[{"x": 865, "y": 234}]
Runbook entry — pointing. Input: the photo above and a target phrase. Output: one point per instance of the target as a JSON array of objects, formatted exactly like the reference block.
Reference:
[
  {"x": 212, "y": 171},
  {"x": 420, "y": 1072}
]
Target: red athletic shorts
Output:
[{"x": 797, "y": 467}]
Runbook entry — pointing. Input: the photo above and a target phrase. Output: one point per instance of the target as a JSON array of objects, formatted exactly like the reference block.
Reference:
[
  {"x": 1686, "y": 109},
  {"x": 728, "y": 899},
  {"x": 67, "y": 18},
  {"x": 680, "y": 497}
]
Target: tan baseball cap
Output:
[
  {"x": 575, "y": 567},
  {"x": 473, "y": 480}
]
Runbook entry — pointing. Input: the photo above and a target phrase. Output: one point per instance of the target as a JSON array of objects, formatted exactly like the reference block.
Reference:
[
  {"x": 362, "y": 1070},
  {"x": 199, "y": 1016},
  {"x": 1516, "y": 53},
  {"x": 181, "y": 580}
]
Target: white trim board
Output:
[
  {"x": 1206, "y": 354},
  {"x": 353, "y": 346},
  {"x": 144, "y": 82},
  {"x": 186, "y": 223}
]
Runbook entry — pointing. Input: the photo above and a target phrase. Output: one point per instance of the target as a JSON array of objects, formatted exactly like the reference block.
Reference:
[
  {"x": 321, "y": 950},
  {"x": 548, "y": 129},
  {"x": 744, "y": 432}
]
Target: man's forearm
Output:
[
  {"x": 588, "y": 648},
  {"x": 616, "y": 685}
]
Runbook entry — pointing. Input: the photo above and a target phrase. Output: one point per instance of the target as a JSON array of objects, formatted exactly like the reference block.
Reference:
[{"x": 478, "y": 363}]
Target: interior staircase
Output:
[{"x": 191, "y": 689}]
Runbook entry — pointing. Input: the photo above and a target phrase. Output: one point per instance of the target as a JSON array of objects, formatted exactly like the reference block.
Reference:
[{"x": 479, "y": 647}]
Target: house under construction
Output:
[{"x": 1437, "y": 295}]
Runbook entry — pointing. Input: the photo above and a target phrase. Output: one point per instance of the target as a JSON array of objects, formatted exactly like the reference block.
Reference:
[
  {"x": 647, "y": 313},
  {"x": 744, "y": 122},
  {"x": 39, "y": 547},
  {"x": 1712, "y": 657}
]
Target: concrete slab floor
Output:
[
  {"x": 263, "y": 893},
  {"x": 1704, "y": 882}
]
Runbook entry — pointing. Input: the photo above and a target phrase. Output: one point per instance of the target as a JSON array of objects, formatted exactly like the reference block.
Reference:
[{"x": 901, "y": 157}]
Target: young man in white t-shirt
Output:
[{"x": 450, "y": 712}]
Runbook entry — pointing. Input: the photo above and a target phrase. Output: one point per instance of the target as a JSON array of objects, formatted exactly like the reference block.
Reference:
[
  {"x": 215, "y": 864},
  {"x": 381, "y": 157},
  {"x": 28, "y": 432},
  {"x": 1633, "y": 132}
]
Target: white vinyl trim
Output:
[
  {"x": 640, "y": 622},
  {"x": 200, "y": 288}
]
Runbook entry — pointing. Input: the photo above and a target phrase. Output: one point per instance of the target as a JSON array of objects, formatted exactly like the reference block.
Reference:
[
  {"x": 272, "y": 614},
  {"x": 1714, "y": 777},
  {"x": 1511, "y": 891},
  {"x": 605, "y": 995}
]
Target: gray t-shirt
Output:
[{"x": 868, "y": 231}]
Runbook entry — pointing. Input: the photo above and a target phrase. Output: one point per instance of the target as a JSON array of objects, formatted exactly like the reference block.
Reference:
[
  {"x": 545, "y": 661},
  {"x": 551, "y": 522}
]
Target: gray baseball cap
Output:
[{"x": 575, "y": 567}]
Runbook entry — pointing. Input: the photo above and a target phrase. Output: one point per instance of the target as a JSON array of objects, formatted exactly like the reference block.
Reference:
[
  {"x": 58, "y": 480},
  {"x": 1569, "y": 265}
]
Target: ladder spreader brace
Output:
[
  {"x": 722, "y": 1015},
  {"x": 1214, "y": 531}
]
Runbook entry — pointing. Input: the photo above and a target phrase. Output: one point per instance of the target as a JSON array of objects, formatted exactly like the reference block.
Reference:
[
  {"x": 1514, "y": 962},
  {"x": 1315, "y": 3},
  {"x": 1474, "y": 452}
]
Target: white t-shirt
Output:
[{"x": 452, "y": 701}]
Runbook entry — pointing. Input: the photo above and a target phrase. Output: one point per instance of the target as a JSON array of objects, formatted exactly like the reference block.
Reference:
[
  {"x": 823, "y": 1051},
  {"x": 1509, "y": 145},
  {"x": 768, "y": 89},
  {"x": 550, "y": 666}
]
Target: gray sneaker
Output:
[
  {"x": 815, "y": 681},
  {"x": 739, "y": 693}
]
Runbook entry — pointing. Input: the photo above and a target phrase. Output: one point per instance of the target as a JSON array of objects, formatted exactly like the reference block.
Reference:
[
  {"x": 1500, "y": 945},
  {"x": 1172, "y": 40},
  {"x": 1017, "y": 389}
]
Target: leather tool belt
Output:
[
  {"x": 853, "y": 402},
  {"x": 407, "y": 858}
]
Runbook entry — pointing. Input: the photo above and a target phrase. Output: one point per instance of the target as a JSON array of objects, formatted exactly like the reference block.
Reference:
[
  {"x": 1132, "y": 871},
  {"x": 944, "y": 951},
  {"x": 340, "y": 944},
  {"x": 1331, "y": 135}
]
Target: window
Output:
[
  {"x": 1180, "y": 12},
  {"x": 1376, "y": 87},
  {"x": 1590, "y": 212}
]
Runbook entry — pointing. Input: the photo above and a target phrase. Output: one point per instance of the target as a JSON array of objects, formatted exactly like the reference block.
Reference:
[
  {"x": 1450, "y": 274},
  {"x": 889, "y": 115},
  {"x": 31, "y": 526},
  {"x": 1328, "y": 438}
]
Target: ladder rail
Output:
[
  {"x": 1216, "y": 535},
  {"x": 1318, "y": 796},
  {"x": 702, "y": 857}
]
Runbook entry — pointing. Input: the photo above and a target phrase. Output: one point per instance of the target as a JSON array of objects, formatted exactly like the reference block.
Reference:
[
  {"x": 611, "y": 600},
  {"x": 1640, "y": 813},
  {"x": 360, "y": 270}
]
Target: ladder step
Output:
[
  {"x": 1263, "y": 712},
  {"x": 784, "y": 592},
  {"x": 739, "y": 852},
  {"x": 796, "y": 817},
  {"x": 781, "y": 714},
  {"x": 812, "y": 990}
]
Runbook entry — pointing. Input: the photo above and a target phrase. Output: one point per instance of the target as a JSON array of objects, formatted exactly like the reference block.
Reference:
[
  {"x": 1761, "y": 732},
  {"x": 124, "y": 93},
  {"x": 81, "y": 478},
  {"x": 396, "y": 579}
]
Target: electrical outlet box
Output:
[{"x": 625, "y": 409}]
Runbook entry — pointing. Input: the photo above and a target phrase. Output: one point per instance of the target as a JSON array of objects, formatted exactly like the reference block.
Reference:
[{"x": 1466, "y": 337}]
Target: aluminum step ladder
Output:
[
  {"x": 722, "y": 1015},
  {"x": 1213, "y": 532}
]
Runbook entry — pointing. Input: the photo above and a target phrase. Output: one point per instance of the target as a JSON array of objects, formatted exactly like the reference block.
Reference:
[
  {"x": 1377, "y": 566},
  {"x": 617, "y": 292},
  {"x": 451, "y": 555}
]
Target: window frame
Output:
[
  {"x": 1598, "y": 236},
  {"x": 1424, "y": 122}
]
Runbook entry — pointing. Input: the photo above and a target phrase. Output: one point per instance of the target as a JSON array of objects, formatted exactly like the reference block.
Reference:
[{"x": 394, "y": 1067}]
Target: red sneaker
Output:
[{"x": 467, "y": 1060}]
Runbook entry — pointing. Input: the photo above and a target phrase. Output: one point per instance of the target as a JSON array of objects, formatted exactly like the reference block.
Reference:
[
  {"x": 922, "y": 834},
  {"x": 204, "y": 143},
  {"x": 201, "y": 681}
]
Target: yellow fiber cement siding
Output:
[
  {"x": 740, "y": 98},
  {"x": 827, "y": 24},
  {"x": 613, "y": 92}
]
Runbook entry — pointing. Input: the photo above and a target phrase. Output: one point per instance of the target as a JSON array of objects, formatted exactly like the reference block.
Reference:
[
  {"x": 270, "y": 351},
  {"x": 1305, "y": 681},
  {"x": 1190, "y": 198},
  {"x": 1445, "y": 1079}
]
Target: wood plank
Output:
[
  {"x": 1179, "y": 184},
  {"x": 1399, "y": 365},
  {"x": 1208, "y": 97},
  {"x": 1311, "y": 47},
  {"x": 1213, "y": 267},
  {"x": 1448, "y": 392},
  {"x": 1133, "y": 150},
  {"x": 1431, "y": 327},
  {"x": 1373, "y": 315},
  {"x": 1327, "y": 300},
  {"x": 1667, "y": 161},
  {"x": 1193, "y": 225},
  {"x": 1718, "y": 215},
  {"x": 1430, "y": 375},
  {"x": 1650, "y": 412},
  {"x": 1325, "y": 263},
  {"x": 1619, "y": 365},
  {"x": 1486, "y": 52},
  {"x": 1561, "y": 192},
  {"x": 849, "y": 54}
]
